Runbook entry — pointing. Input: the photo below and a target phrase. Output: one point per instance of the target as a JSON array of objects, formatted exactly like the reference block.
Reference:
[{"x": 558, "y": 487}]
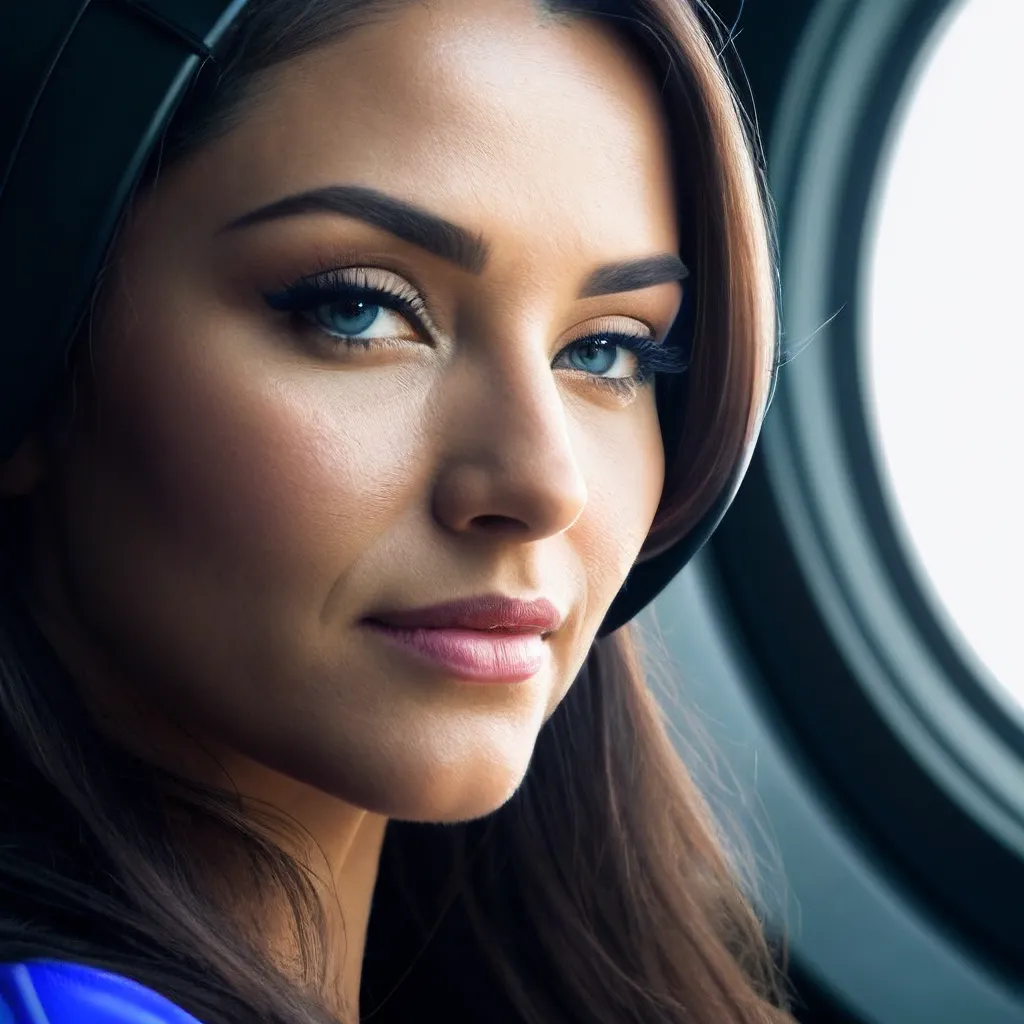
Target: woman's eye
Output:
[
  {"x": 600, "y": 356},
  {"x": 356, "y": 306},
  {"x": 356, "y": 320}
]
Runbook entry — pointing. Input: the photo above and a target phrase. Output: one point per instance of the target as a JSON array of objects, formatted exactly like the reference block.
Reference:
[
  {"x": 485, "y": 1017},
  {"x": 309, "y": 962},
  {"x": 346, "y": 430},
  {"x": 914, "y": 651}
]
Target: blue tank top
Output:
[{"x": 49, "y": 992}]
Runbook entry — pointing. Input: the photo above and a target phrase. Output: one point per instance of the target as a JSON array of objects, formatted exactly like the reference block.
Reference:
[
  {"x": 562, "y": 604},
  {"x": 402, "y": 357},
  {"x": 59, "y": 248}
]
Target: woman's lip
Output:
[{"x": 470, "y": 654}]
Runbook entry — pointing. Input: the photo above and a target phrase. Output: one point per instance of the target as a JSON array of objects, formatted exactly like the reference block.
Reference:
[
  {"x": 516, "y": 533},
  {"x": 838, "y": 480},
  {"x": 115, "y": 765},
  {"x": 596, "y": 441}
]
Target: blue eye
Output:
[
  {"x": 347, "y": 318},
  {"x": 366, "y": 307},
  {"x": 598, "y": 354},
  {"x": 356, "y": 308},
  {"x": 591, "y": 351}
]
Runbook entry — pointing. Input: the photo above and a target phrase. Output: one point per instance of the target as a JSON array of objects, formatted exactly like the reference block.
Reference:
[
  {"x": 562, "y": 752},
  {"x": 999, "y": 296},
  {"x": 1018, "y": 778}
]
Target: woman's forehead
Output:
[{"x": 482, "y": 112}]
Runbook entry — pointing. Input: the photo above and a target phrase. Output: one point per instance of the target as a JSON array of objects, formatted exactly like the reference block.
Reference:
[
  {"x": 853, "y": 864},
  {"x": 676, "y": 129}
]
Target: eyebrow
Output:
[{"x": 449, "y": 241}]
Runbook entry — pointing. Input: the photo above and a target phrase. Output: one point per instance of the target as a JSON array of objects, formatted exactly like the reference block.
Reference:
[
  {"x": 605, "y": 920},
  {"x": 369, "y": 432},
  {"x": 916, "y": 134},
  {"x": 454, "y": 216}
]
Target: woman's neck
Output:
[{"x": 337, "y": 848}]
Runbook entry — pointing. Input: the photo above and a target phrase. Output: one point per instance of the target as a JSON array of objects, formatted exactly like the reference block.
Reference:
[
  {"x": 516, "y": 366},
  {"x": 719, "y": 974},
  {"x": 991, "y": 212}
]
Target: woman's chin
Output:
[{"x": 462, "y": 793}]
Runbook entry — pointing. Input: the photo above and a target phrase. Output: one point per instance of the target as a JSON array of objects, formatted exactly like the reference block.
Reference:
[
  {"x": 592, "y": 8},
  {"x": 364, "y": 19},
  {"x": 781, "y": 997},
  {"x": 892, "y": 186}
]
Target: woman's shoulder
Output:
[{"x": 52, "y": 992}]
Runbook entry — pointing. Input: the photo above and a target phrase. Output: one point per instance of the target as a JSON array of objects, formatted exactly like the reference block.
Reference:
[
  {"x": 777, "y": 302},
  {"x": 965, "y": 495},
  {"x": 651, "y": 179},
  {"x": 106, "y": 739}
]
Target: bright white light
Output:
[{"x": 945, "y": 314}]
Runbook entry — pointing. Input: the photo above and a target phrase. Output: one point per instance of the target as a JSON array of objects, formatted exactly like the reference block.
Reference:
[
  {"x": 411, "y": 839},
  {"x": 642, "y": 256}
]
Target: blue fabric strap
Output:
[{"x": 48, "y": 992}]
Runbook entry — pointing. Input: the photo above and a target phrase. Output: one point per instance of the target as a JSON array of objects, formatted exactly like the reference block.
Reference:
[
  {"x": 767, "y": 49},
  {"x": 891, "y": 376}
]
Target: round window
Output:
[{"x": 944, "y": 331}]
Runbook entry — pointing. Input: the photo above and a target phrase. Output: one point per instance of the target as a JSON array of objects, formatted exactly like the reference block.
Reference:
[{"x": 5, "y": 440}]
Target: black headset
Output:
[{"x": 87, "y": 89}]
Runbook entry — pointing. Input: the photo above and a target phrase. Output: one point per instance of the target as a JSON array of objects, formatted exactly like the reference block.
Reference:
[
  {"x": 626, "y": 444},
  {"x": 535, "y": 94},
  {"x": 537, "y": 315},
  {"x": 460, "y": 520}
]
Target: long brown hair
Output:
[{"x": 600, "y": 892}]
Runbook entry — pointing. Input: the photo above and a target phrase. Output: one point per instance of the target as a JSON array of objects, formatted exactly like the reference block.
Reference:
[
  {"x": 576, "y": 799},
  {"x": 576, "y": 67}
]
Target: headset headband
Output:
[{"x": 89, "y": 87}]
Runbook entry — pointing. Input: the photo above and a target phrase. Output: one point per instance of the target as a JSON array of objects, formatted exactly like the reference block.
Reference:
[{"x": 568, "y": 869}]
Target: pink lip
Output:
[
  {"x": 490, "y": 611},
  {"x": 472, "y": 654}
]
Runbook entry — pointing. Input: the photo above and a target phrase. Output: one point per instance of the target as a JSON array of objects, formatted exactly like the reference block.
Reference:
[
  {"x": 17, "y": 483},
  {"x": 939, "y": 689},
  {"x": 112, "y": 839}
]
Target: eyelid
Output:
[
  {"x": 337, "y": 263},
  {"x": 619, "y": 324}
]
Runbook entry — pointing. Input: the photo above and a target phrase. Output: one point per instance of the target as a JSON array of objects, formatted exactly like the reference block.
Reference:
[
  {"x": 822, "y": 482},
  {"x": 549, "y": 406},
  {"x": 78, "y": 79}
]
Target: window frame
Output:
[{"x": 847, "y": 674}]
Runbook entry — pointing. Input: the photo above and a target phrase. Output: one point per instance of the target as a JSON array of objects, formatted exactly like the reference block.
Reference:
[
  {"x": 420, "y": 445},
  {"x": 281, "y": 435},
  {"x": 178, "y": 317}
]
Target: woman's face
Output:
[{"x": 241, "y": 488}]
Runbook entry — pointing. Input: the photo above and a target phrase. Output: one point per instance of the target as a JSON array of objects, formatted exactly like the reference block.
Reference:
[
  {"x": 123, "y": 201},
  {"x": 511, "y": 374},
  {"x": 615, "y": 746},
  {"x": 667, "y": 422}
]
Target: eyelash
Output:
[{"x": 330, "y": 287}]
